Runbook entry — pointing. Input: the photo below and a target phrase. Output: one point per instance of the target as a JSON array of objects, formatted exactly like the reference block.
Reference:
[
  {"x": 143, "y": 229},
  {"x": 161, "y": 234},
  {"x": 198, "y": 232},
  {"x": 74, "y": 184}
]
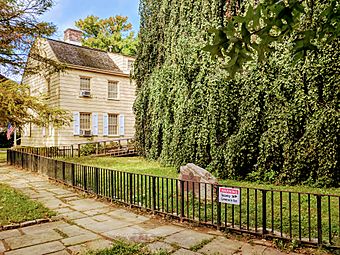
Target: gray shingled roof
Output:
[{"x": 82, "y": 56}]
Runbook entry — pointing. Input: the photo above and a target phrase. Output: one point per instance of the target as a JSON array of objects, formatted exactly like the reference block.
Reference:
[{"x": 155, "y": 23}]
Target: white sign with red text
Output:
[{"x": 229, "y": 195}]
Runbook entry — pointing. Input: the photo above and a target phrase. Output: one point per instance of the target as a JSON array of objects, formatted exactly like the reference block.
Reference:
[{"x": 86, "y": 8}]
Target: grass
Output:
[
  {"x": 137, "y": 165},
  {"x": 121, "y": 247},
  {"x": 167, "y": 201},
  {"x": 140, "y": 165},
  {"x": 15, "y": 207},
  {"x": 3, "y": 155}
]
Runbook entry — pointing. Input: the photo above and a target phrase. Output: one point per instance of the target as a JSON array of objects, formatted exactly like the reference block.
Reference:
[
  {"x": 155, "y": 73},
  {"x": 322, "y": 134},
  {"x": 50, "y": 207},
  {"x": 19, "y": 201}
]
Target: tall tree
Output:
[
  {"x": 19, "y": 28},
  {"x": 111, "y": 34},
  {"x": 278, "y": 121},
  {"x": 251, "y": 31}
]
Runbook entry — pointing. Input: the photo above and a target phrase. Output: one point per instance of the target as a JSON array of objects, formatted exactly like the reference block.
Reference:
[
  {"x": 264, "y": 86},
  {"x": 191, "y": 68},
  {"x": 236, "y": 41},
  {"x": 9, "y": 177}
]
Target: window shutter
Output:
[
  {"x": 43, "y": 131},
  {"x": 121, "y": 125},
  {"x": 76, "y": 123},
  {"x": 50, "y": 129},
  {"x": 95, "y": 123},
  {"x": 105, "y": 124},
  {"x": 29, "y": 127}
]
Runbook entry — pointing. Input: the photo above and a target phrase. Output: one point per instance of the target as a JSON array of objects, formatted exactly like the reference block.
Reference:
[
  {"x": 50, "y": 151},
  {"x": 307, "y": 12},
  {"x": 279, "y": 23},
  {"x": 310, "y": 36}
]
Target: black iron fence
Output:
[
  {"x": 306, "y": 217},
  {"x": 118, "y": 146}
]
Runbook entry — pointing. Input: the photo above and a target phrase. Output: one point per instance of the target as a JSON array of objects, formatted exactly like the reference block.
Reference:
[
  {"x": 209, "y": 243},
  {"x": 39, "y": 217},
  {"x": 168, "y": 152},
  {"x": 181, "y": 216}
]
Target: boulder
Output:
[{"x": 198, "y": 180}]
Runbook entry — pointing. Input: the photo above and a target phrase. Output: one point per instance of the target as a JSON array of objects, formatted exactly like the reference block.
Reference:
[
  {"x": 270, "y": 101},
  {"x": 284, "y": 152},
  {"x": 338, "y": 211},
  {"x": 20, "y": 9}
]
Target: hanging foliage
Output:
[{"x": 275, "y": 122}]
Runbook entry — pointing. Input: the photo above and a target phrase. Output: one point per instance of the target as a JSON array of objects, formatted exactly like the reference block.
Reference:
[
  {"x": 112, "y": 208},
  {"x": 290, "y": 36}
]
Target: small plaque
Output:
[{"x": 229, "y": 195}]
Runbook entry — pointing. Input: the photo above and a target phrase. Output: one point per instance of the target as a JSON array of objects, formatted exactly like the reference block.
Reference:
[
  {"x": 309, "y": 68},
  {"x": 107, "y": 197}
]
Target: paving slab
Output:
[
  {"x": 101, "y": 218},
  {"x": 79, "y": 239},
  {"x": 134, "y": 234},
  {"x": 128, "y": 216},
  {"x": 163, "y": 231},
  {"x": 86, "y": 204},
  {"x": 32, "y": 239},
  {"x": 39, "y": 228},
  {"x": 248, "y": 249},
  {"x": 160, "y": 246},
  {"x": 9, "y": 233},
  {"x": 52, "y": 203},
  {"x": 222, "y": 246},
  {"x": 101, "y": 227},
  {"x": 92, "y": 245},
  {"x": 187, "y": 238},
  {"x": 38, "y": 249},
  {"x": 73, "y": 215},
  {"x": 73, "y": 230},
  {"x": 64, "y": 210},
  {"x": 98, "y": 211}
]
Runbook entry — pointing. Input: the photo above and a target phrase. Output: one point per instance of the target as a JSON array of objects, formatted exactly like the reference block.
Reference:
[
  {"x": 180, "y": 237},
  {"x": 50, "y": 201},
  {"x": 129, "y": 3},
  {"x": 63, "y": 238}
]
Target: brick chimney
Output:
[{"x": 73, "y": 36}]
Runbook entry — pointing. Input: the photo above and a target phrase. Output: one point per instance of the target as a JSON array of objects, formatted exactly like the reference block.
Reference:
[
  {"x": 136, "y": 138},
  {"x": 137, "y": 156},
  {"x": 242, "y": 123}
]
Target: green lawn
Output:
[
  {"x": 15, "y": 207},
  {"x": 3, "y": 155},
  {"x": 129, "y": 164},
  {"x": 142, "y": 166}
]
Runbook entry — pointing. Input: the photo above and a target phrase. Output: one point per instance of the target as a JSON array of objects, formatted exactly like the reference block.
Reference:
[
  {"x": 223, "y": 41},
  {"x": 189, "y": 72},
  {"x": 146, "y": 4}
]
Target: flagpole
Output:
[{"x": 15, "y": 137}]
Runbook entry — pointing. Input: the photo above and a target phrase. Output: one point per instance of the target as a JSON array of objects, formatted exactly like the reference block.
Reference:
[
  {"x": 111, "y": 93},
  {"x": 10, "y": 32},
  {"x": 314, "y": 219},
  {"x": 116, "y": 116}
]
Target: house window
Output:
[
  {"x": 113, "y": 90},
  {"x": 84, "y": 84},
  {"x": 85, "y": 121},
  {"x": 113, "y": 124}
]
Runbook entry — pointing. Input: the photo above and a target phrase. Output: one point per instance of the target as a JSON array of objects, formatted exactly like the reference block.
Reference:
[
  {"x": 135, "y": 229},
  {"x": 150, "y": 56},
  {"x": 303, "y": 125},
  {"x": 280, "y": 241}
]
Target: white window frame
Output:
[
  {"x": 109, "y": 124},
  {"x": 108, "y": 90},
  {"x": 87, "y": 88},
  {"x": 81, "y": 122}
]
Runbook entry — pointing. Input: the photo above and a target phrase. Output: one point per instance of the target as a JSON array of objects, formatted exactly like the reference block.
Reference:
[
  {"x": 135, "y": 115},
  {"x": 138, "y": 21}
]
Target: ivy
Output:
[{"x": 276, "y": 121}]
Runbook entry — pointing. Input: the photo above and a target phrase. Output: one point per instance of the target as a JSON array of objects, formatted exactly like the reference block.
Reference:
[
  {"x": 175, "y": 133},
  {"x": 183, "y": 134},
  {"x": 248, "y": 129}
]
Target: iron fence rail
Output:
[
  {"x": 307, "y": 217},
  {"x": 117, "y": 147}
]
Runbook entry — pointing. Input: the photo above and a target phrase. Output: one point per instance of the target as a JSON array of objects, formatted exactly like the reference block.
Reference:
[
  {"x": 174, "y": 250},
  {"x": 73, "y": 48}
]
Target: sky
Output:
[{"x": 65, "y": 12}]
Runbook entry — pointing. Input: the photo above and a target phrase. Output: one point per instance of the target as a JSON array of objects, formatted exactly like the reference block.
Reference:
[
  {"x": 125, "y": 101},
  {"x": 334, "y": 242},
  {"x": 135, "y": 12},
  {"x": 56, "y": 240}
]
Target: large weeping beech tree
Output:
[{"x": 276, "y": 120}]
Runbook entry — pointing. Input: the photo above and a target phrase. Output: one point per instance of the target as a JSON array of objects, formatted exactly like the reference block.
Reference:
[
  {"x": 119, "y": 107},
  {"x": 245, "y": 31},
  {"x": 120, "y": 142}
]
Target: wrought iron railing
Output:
[{"x": 306, "y": 217}]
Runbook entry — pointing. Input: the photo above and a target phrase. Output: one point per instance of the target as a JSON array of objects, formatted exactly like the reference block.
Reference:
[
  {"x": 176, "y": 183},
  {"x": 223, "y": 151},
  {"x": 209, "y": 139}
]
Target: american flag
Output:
[{"x": 10, "y": 130}]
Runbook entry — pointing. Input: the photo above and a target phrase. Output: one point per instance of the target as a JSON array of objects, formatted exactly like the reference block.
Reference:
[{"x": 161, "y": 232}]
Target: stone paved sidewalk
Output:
[{"x": 91, "y": 224}]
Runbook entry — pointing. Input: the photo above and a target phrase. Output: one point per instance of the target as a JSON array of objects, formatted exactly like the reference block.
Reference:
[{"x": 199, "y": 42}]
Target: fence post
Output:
[
  {"x": 97, "y": 148},
  {"x": 78, "y": 150},
  {"x": 55, "y": 169},
  {"x": 319, "y": 219},
  {"x": 63, "y": 170},
  {"x": 154, "y": 194},
  {"x": 131, "y": 189},
  {"x": 218, "y": 203},
  {"x": 72, "y": 174},
  {"x": 8, "y": 159},
  {"x": 72, "y": 151},
  {"x": 96, "y": 179},
  {"x": 264, "y": 212},
  {"x": 182, "y": 198}
]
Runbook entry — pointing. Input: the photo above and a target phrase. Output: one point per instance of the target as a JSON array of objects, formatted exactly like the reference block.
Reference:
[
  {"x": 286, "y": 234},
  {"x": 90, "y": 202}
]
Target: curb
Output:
[{"x": 27, "y": 223}]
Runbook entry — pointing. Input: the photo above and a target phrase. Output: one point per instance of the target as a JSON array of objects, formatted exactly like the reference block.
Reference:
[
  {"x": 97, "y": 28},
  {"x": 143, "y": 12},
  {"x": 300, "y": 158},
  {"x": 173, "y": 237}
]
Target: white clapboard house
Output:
[{"x": 95, "y": 88}]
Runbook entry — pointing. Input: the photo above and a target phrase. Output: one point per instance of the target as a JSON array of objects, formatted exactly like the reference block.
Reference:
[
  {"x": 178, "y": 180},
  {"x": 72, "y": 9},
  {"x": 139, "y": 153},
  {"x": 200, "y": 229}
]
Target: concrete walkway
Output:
[{"x": 90, "y": 224}]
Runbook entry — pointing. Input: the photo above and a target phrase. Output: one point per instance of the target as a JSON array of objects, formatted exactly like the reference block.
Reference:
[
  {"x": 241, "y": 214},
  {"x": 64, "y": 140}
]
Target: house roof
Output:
[{"x": 82, "y": 56}]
